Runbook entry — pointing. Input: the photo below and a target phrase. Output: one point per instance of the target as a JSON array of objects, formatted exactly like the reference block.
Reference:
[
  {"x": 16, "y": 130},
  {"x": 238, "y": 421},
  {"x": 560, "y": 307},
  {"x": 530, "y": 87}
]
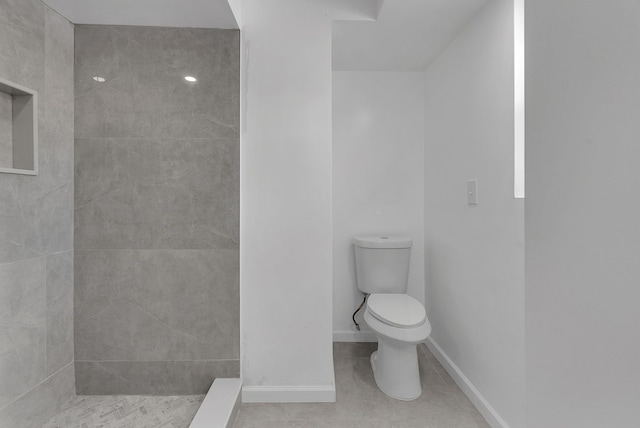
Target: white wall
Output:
[
  {"x": 582, "y": 213},
  {"x": 285, "y": 193},
  {"x": 475, "y": 254},
  {"x": 378, "y": 178},
  {"x": 286, "y": 201}
]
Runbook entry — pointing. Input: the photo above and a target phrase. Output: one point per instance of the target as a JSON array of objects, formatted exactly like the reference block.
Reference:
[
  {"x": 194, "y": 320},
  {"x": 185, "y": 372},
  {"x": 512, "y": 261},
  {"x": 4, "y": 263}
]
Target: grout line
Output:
[
  {"x": 156, "y": 361},
  {"x": 25, "y": 259},
  {"x": 160, "y": 138},
  {"x": 60, "y": 252},
  {"x": 153, "y": 249},
  {"x": 46, "y": 314}
]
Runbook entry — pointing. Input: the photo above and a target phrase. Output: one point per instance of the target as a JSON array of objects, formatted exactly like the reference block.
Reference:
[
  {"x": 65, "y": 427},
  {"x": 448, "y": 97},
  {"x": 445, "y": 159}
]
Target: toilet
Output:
[{"x": 398, "y": 320}]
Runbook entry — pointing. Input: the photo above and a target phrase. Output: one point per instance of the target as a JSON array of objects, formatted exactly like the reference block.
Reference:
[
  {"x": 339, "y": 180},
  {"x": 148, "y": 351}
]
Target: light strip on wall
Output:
[{"x": 519, "y": 137}]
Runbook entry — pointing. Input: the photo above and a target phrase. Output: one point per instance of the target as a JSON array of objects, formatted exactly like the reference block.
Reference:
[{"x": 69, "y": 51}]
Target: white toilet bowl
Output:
[
  {"x": 400, "y": 324},
  {"x": 398, "y": 320}
]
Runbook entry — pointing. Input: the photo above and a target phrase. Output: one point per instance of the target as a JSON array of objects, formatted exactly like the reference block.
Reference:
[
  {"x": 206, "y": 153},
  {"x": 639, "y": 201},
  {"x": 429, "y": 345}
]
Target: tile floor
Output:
[
  {"x": 127, "y": 411},
  {"x": 359, "y": 404}
]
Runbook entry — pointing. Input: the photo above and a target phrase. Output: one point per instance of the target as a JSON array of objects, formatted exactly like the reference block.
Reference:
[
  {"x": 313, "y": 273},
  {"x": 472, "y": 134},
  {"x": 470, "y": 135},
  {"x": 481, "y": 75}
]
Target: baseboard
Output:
[
  {"x": 483, "y": 406},
  {"x": 354, "y": 336},
  {"x": 289, "y": 394},
  {"x": 219, "y": 407}
]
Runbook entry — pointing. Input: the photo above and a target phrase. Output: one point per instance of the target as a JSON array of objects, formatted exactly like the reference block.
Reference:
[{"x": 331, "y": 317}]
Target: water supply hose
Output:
[{"x": 353, "y": 317}]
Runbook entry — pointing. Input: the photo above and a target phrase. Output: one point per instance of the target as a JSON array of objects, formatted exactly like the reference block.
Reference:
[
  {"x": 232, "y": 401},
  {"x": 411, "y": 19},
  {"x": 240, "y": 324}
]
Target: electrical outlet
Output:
[{"x": 472, "y": 192}]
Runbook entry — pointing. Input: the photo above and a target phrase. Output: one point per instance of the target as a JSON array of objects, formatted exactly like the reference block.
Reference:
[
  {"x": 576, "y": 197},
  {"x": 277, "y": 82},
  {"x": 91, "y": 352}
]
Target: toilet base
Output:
[{"x": 395, "y": 369}]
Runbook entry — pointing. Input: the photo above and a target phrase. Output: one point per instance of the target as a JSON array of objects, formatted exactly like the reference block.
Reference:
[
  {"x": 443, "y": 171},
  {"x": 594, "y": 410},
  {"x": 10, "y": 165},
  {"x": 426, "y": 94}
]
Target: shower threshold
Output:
[{"x": 220, "y": 405}]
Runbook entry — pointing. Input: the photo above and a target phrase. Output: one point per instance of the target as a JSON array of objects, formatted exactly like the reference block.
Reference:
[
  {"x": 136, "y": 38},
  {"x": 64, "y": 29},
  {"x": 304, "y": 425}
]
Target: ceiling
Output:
[
  {"x": 166, "y": 13},
  {"x": 407, "y": 36}
]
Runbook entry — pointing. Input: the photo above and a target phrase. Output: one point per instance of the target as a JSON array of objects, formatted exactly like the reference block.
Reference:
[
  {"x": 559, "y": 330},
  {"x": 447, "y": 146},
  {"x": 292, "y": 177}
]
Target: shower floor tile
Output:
[{"x": 127, "y": 411}]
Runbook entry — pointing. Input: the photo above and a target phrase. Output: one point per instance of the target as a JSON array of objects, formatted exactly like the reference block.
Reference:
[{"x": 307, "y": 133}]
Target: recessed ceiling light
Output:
[
  {"x": 99, "y": 79},
  {"x": 190, "y": 79}
]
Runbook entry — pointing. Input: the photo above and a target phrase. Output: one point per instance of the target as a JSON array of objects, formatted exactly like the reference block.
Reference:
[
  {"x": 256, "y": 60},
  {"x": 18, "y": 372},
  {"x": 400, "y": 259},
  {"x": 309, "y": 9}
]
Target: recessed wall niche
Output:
[{"x": 18, "y": 129}]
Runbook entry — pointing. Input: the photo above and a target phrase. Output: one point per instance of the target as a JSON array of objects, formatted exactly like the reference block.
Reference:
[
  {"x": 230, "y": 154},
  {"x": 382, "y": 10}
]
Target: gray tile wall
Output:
[
  {"x": 156, "y": 209},
  {"x": 36, "y": 224}
]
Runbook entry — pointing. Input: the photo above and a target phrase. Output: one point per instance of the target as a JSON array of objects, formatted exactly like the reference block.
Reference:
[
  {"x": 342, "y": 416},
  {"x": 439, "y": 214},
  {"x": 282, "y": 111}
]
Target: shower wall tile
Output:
[
  {"x": 22, "y": 26},
  {"x": 33, "y": 38},
  {"x": 34, "y": 409},
  {"x": 22, "y": 327},
  {"x": 151, "y": 377},
  {"x": 12, "y": 225},
  {"x": 145, "y": 95},
  {"x": 157, "y": 193},
  {"x": 36, "y": 214},
  {"x": 50, "y": 218},
  {"x": 156, "y": 305},
  {"x": 58, "y": 72},
  {"x": 36, "y": 223},
  {"x": 59, "y": 322},
  {"x": 156, "y": 207},
  {"x": 56, "y": 165}
]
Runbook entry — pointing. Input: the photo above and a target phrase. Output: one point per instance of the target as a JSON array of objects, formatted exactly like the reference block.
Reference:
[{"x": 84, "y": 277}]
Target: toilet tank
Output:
[{"x": 382, "y": 263}]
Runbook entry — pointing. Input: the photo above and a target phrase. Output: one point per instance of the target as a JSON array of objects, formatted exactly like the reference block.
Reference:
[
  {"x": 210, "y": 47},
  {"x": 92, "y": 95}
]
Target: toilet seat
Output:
[{"x": 397, "y": 310}]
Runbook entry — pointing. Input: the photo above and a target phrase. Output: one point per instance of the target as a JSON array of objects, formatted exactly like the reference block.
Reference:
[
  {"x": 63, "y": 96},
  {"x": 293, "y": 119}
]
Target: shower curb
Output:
[{"x": 220, "y": 405}]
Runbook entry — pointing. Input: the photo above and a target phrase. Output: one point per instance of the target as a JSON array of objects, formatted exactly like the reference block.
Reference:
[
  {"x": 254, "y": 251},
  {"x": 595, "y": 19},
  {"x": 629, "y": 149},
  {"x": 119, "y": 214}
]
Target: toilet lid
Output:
[{"x": 398, "y": 310}]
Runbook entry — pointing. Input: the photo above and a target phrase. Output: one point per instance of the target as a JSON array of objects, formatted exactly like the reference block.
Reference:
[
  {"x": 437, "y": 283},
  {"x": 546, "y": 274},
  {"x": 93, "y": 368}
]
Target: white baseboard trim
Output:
[
  {"x": 289, "y": 394},
  {"x": 483, "y": 406},
  {"x": 220, "y": 405},
  {"x": 354, "y": 336}
]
